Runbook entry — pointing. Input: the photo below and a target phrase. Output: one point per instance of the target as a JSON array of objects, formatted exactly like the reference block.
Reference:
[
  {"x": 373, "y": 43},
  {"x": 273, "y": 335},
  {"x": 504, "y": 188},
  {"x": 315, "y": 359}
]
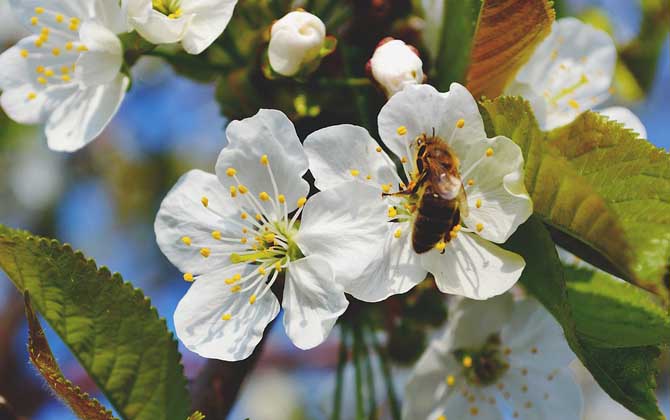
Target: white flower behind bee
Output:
[
  {"x": 295, "y": 40},
  {"x": 66, "y": 75},
  {"x": 491, "y": 170},
  {"x": 497, "y": 358},
  {"x": 571, "y": 72},
  {"x": 236, "y": 233},
  {"x": 395, "y": 65},
  {"x": 194, "y": 23}
]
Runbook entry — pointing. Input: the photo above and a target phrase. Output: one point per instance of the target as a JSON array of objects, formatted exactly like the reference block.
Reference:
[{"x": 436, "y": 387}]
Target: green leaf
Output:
[
  {"x": 506, "y": 36},
  {"x": 579, "y": 218},
  {"x": 626, "y": 374},
  {"x": 611, "y": 313},
  {"x": 633, "y": 177},
  {"x": 110, "y": 327},
  {"x": 40, "y": 354}
]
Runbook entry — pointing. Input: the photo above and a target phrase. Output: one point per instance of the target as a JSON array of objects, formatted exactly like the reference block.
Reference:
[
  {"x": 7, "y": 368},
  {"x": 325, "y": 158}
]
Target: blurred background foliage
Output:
[{"x": 103, "y": 199}]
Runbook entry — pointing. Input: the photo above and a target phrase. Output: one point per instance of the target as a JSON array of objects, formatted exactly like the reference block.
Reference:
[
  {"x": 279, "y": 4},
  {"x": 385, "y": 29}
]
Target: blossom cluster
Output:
[{"x": 433, "y": 197}]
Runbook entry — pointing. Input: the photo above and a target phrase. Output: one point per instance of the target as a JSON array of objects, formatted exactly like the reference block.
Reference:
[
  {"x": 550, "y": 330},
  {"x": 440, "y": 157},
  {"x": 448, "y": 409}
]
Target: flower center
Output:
[
  {"x": 170, "y": 8},
  {"x": 483, "y": 366},
  {"x": 55, "y": 50}
]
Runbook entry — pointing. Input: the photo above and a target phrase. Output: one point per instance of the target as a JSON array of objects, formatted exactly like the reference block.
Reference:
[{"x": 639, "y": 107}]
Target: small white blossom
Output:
[
  {"x": 65, "y": 75},
  {"x": 236, "y": 233},
  {"x": 295, "y": 40},
  {"x": 497, "y": 359},
  {"x": 491, "y": 173},
  {"x": 571, "y": 72},
  {"x": 395, "y": 65},
  {"x": 194, "y": 23}
]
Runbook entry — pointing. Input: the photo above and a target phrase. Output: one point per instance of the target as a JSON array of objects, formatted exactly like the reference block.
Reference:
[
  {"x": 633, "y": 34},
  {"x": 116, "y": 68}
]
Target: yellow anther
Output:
[
  {"x": 386, "y": 188},
  {"x": 392, "y": 213},
  {"x": 573, "y": 104},
  {"x": 229, "y": 281},
  {"x": 186, "y": 240},
  {"x": 42, "y": 80},
  {"x": 48, "y": 73},
  {"x": 457, "y": 228},
  {"x": 235, "y": 289},
  {"x": 378, "y": 149},
  {"x": 34, "y": 21},
  {"x": 467, "y": 362},
  {"x": 69, "y": 45},
  {"x": 403, "y": 159},
  {"x": 245, "y": 230},
  {"x": 39, "y": 10},
  {"x": 471, "y": 182},
  {"x": 258, "y": 217},
  {"x": 269, "y": 237},
  {"x": 237, "y": 277},
  {"x": 65, "y": 78},
  {"x": 216, "y": 235},
  {"x": 480, "y": 227},
  {"x": 24, "y": 53},
  {"x": 368, "y": 177},
  {"x": 460, "y": 123},
  {"x": 453, "y": 234},
  {"x": 402, "y": 130},
  {"x": 205, "y": 252},
  {"x": 451, "y": 380},
  {"x": 39, "y": 69},
  {"x": 261, "y": 270},
  {"x": 474, "y": 411},
  {"x": 233, "y": 191},
  {"x": 56, "y": 52},
  {"x": 489, "y": 152},
  {"x": 440, "y": 246},
  {"x": 301, "y": 201},
  {"x": 265, "y": 160},
  {"x": 243, "y": 240},
  {"x": 65, "y": 70},
  {"x": 226, "y": 317},
  {"x": 242, "y": 189},
  {"x": 264, "y": 196},
  {"x": 38, "y": 43},
  {"x": 442, "y": 417},
  {"x": 244, "y": 216},
  {"x": 231, "y": 172},
  {"x": 82, "y": 48},
  {"x": 397, "y": 233},
  {"x": 252, "y": 299},
  {"x": 355, "y": 172},
  {"x": 205, "y": 201},
  {"x": 32, "y": 96},
  {"x": 281, "y": 198},
  {"x": 60, "y": 18},
  {"x": 43, "y": 37},
  {"x": 45, "y": 31},
  {"x": 278, "y": 266},
  {"x": 74, "y": 24},
  {"x": 188, "y": 277},
  {"x": 478, "y": 203}
]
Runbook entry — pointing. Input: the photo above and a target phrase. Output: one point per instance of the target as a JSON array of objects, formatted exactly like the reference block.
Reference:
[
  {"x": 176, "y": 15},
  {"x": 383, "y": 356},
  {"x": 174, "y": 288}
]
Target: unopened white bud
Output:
[
  {"x": 295, "y": 40},
  {"x": 395, "y": 65}
]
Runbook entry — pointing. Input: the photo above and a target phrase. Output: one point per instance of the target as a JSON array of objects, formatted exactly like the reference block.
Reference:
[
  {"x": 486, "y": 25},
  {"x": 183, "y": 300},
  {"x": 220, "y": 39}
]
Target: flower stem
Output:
[
  {"x": 388, "y": 378},
  {"x": 358, "y": 341},
  {"x": 372, "y": 395},
  {"x": 339, "y": 376}
]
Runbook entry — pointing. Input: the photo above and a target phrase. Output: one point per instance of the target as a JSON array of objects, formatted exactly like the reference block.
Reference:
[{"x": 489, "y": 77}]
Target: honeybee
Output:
[{"x": 441, "y": 196}]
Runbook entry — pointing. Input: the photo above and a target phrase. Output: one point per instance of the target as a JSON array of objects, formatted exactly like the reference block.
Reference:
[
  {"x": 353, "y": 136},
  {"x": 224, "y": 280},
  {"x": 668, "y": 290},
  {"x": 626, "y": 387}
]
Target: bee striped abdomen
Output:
[{"x": 435, "y": 219}]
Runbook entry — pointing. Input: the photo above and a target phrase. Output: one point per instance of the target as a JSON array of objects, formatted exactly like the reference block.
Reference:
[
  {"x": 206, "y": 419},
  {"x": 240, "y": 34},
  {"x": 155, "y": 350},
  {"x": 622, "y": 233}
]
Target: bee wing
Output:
[{"x": 446, "y": 185}]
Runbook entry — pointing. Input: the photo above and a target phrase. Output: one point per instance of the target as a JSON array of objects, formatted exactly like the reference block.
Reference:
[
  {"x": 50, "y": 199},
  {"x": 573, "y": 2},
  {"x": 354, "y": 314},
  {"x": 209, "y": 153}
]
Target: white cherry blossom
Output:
[
  {"x": 497, "y": 359},
  {"x": 571, "y": 72},
  {"x": 467, "y": 262},
  {"x": 66, "y": 75},
  {"x": 395, "y": 65},
  {"x": 194, "y": 23},
  {"x": 295, "y": 40},
  {"x": 237, "y": 233}
]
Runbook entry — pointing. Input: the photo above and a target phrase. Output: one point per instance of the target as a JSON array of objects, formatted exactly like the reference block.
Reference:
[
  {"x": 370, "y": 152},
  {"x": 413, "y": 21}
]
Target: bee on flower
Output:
[{"x": 250, "y": 227}]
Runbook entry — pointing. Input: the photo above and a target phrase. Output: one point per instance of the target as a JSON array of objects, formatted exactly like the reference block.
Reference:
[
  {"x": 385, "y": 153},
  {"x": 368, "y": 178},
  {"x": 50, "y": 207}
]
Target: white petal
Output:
[
  {"x": 112, "y": 16},
  {"x": 198, "y": 317},
  {"x": 209, "y": 21},
  {"x": 83, "y": 116},
  {"x": 154, "y": 26},
  {"x": 535, "y": 397},
  {"x": 345, "y": 225},
  {"x": 398, "y": 271},
  {"x": 16, "y": 70},
  {"x": 499, "y": 190},
  {"x": 312, "y": 301},
  {"x": 536, "y": 339},
  {"x": 102, "y": 61},
  {"x": 421, "y": 110},
  {"x": 572, "y": 70},
  {"x": 626, "y": 117},
  {"x": 473, "y": 267},
  {"x": 16, "y": 103},
  {"x": 24, "y": 10},
  {"x": 182, "y": 214},
  {"x": 334, "y": 152},
  {"x": 269, "y": 133},
  {"x": 473, "y": 321}
]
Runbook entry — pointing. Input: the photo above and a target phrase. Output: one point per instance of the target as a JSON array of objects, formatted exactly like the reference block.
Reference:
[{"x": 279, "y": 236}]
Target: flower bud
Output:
[
  {"x": 395, "y": 65},
  {"x": 295, "y": 40}
]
